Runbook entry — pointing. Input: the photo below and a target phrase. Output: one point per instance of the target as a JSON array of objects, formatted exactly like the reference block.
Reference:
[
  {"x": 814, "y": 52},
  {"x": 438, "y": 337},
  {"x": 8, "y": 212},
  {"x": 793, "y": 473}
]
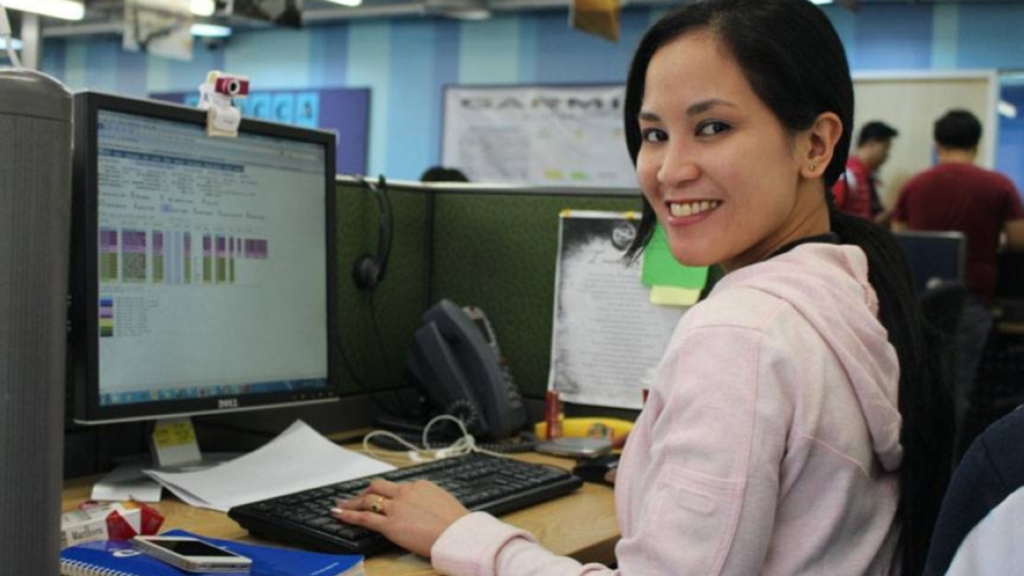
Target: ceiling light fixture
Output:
[
  {"x": 459, "y": 9},
  {"x": 210, "y": 30},
  {"x": 470, "y": 14},
  {"x": 352, "y": 3},
  {"x": 821, "y": 1},
  {"x": 202, "y": 7},
  {"x": 1006, "y": 109},
  {"x": 63, "y": 9},
  {"x": 14, "y": 43}
]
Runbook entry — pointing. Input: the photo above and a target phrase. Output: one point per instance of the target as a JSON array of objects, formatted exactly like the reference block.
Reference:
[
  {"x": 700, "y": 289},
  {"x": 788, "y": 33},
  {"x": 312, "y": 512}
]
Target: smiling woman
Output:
[
  {"x": 696, "y": 136},
  {"x": 797, "y": 424}
]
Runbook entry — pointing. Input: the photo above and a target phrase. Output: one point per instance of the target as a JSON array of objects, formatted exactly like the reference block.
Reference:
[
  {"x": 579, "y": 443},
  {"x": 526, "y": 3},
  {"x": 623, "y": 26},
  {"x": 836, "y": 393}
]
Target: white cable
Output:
[
  {"x": 464, "y": 445},
  {"x": 8, "y": 36}
]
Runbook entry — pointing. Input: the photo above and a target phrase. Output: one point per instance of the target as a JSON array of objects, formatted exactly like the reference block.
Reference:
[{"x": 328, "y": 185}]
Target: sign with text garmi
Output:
[{"x": 538, "y": 135}]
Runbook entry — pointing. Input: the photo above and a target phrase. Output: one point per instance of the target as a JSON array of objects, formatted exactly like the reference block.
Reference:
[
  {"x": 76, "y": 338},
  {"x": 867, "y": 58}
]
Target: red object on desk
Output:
[{"x": 553, "y": 415}]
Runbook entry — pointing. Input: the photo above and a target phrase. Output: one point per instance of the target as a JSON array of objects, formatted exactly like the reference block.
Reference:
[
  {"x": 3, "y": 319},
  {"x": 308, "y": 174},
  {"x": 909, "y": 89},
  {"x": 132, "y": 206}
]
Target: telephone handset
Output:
[{"x": 456, "y": 362}]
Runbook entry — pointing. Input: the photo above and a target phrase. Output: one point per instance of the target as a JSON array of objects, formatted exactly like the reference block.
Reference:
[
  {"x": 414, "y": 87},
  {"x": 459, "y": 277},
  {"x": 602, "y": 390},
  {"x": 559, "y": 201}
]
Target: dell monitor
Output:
[{"x": 202, "y": 276}]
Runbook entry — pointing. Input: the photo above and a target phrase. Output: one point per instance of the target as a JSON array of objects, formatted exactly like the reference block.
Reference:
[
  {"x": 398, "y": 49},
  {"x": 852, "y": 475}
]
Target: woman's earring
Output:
[{"x": 814, "y": 167}]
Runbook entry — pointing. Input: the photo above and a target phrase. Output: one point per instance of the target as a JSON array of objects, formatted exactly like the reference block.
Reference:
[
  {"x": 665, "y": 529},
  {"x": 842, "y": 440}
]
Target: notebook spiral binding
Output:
[{"x": 77, "y": 568}]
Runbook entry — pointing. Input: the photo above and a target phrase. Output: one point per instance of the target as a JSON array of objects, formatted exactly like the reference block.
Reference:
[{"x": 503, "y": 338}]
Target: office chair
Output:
[
  {"x": 978, "y": 532},
  {"x": 942, "y": 306},
  {"x": 998, "y": 389},
  {"x": 933, "y": 256}
]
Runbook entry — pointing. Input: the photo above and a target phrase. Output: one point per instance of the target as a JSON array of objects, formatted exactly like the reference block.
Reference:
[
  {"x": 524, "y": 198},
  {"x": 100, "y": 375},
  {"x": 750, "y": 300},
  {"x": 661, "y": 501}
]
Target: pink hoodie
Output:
[{"x": 769, "y": 444}]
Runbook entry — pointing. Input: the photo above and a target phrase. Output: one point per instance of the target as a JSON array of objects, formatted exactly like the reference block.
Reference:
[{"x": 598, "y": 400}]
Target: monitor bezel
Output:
[{"x": 84, "y": 340}]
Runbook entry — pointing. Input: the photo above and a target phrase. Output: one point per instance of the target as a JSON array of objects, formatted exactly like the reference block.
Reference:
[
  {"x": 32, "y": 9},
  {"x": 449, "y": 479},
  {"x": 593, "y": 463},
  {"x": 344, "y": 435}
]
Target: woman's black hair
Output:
[{"x": 794, "y": 61}]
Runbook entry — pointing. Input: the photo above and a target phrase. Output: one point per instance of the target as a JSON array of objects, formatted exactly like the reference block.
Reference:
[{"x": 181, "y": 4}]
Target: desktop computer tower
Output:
[{"x": 35, "y": 203}]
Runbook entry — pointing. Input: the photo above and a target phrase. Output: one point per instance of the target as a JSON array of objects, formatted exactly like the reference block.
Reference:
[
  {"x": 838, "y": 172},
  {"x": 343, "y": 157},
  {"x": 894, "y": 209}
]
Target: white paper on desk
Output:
[
  {"x": 298, "y": 459},
  {"x": 127, "y": 482}
]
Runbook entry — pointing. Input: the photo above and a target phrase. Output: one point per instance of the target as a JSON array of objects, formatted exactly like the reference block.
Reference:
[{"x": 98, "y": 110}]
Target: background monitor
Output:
[
  {"x": 203, "y": 276},
  {"x": 934, "y": 257}
]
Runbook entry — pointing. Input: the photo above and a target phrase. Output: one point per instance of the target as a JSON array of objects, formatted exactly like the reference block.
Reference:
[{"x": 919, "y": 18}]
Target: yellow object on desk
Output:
[
  {"x": 610, "y": 428},
  {"x": 174, "y": 442}
]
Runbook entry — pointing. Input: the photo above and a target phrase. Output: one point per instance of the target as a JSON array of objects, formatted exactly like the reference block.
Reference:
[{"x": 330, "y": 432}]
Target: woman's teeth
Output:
[{"x": 692, "y": 208}]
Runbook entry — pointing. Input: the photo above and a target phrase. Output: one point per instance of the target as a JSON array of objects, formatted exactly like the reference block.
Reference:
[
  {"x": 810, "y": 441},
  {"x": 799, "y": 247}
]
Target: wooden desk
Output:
[{"x": 581, "y": 525}]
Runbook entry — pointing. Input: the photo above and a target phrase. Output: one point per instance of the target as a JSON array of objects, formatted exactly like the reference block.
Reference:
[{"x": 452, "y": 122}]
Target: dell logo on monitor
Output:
[{"x": 227, "y": 403}]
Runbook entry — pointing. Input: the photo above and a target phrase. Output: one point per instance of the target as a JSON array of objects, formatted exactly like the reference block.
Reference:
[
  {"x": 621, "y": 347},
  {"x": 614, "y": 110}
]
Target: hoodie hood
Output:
[{"x": 828, "y": 285}]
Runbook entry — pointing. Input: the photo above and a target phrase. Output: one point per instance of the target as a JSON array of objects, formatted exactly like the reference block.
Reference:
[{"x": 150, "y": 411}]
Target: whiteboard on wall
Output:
[
  {"x": 910, "y": 102},
  {"x": 538, "y": 135},
  {"x": 573, "y": 135}
]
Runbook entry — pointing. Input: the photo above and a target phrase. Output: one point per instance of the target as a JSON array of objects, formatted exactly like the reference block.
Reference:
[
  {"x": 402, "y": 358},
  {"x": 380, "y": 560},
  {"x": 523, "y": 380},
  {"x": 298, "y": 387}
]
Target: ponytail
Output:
[{"x": 924, "y": 401}]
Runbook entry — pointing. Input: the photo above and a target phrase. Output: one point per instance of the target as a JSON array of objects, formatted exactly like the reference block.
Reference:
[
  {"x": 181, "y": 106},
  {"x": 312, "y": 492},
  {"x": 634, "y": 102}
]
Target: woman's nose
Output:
[{"x": 677, "y": 167}]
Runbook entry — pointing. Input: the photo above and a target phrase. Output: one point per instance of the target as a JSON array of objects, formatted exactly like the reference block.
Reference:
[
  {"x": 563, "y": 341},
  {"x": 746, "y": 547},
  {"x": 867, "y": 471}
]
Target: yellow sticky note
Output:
[
  {"x": 172, "y": 433},
  {"x": 674, "y": 296}
]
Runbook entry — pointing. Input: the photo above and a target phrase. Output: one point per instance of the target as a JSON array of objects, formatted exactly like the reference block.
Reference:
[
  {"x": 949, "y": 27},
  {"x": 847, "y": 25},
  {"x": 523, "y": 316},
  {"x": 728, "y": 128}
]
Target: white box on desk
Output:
[{"x": 92, "y": 523}]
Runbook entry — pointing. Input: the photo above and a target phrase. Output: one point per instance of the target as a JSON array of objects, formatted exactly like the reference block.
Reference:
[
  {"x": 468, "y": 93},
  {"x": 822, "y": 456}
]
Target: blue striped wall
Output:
[{"x": 408, "y": 61}]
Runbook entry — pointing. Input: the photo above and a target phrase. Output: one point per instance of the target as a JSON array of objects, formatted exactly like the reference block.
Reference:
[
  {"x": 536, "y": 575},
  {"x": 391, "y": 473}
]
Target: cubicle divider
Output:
[
  {"x": 376, "y": 326},
  {"x": 494, "y": 247}
]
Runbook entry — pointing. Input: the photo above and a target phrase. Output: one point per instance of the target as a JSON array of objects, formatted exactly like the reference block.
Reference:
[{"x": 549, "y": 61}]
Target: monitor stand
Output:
[{"x": 173, "y": 448}]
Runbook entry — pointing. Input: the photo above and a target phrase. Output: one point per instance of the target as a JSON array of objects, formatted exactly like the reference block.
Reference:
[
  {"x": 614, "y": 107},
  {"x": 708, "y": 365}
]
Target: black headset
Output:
[{"x": 368, "y": 270}]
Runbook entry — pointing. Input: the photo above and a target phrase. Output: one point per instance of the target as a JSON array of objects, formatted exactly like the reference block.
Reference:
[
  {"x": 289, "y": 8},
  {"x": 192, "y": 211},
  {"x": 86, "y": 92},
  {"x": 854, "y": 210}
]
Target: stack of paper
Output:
[{"x": 298, "y": 459}]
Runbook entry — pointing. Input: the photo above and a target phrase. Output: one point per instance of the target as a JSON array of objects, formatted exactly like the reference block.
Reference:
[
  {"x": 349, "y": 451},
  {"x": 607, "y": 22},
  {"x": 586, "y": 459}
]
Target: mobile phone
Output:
[
  {"x": 192, "y": 554},
  {"x": 576, "y": 447}
]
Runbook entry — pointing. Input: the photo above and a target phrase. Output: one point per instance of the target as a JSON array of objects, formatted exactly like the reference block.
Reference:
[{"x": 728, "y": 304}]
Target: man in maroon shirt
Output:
[
  {"x": 956, "y": 195},
  {"x": 856, "y": 193}
]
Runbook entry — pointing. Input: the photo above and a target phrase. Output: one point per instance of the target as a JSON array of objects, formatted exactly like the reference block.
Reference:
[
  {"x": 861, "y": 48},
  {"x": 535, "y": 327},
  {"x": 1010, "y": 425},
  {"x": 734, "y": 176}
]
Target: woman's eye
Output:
[
  {"x": 653, "y": 135},
  {"x": 712, "y": 128}
]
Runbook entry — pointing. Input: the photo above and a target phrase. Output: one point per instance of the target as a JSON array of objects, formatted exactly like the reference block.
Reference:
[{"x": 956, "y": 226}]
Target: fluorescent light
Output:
[
  {"x": 14, "y": 42},
  {"x": 202, "y": 7},
  {"x": 347, "y": 2},
  {"x": 1006, "y": 109},
  {"x": 64, "y": 9},
  {"x": 210, "y": 31},
  {"x": 469, "y": 14},
  {"x": 821, "y": 1}
]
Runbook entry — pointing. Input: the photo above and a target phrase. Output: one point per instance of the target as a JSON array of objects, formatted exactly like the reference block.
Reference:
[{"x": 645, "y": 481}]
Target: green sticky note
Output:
[{"x": 662, "y": 269}]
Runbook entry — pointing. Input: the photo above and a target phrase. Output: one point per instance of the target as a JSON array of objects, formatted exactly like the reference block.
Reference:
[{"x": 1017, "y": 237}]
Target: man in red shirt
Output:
[
  {"x": 956, "y": 195},
  {"x": 857, "y": 192}
]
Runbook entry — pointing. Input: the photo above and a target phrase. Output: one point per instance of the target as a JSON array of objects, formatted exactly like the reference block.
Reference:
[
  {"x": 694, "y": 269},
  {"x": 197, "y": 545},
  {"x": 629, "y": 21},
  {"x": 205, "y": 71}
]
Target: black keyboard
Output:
[{"x": 481, "y": 482}]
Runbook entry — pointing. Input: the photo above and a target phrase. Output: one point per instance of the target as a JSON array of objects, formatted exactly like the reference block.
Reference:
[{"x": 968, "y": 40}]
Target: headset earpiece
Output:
[{"x": 368, "y": 270}]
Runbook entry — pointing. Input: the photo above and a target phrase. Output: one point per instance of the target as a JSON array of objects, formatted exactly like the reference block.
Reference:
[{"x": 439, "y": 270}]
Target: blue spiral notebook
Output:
[{"x": 118, "y": 558}]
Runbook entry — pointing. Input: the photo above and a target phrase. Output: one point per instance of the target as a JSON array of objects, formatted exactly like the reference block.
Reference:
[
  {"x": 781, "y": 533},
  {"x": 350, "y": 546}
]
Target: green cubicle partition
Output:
[
  {"x": 497, "y": 249},
  {"x": 376, "y": 326},
  {"x": 489, "y": 246}
]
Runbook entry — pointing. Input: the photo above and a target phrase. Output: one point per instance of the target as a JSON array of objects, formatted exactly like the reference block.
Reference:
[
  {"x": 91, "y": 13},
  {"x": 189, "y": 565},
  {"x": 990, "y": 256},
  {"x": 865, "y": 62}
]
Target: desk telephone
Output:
[{"x": 457, "y": 364}]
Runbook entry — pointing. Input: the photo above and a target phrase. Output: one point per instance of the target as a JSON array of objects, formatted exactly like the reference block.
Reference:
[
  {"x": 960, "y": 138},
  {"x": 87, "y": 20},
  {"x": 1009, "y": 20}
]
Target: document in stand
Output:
[
  {"x": 298, "y": 459},
  {"x": 607, "y": 335}
]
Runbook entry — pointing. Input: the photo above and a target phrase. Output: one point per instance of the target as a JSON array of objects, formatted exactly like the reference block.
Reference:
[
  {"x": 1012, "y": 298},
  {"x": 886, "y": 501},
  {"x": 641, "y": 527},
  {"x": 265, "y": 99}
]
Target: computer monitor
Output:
[
  {"x": 934, "y": 257},
  {"x": 203, "y": 267}
]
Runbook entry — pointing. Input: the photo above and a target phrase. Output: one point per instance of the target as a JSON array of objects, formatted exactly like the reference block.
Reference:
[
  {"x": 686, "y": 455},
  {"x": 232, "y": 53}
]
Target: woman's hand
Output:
[{"x": 411, "y": 515}]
